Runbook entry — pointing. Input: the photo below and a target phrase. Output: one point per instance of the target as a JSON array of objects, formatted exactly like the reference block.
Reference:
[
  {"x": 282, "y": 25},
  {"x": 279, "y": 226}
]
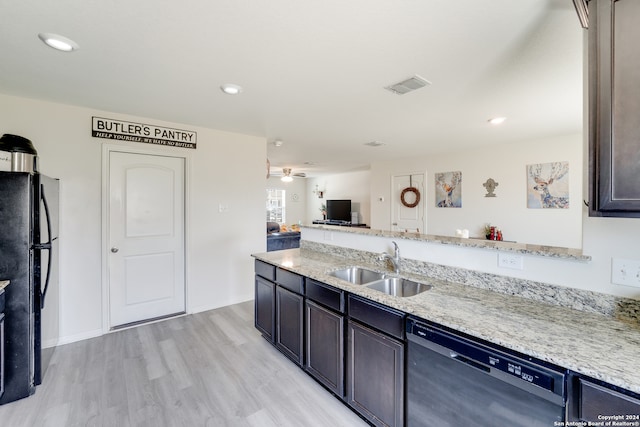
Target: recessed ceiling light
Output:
[
  {"x": 231, "y": 89},
  {"x": 278, "y": 143},
  {"x": 58, "y": 42},
  {"x": 497, "y": 120}
]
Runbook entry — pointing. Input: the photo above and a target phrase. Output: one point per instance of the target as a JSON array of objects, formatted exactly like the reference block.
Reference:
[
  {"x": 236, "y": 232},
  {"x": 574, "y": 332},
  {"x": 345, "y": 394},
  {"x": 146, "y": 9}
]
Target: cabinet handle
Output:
[{"x": 114, "y": 250}]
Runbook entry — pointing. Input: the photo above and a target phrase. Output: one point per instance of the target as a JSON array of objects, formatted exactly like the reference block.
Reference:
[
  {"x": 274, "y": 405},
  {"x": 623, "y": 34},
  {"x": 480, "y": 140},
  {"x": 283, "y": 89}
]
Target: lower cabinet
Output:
[
  {"x": 2, "y": 372},
  {"x": 289, "y": 324},
  {"x": 375, "y": 375},
  {"x": 265, "y": 307},
  {"x": 591, "y": 403},
  {"x": 1, "y": 354},
  {"x": 325, "y": 346},
  {"x": 375, "y": 362}
]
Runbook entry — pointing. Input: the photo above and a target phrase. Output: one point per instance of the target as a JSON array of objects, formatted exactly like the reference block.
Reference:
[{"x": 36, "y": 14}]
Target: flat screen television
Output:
[{"x": 339, "y": 210}]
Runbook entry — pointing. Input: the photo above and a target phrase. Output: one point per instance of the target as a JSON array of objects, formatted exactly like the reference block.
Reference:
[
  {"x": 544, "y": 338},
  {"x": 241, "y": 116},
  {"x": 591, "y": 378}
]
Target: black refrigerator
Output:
[{"x": 29, "y": 259}]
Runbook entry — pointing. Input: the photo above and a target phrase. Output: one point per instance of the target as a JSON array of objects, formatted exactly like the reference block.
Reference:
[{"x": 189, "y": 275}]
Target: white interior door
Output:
[
  {"x": 146, "y": 237},
  {"x": 405, "y": 218}
]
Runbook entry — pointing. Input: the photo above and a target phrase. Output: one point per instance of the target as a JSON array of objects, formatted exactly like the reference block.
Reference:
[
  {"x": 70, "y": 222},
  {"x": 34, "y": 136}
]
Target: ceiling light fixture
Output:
[
  {"x": 58, "y": 42},
  {"x": 287, "y": 175},
  {"x": 231, "y": 89},
  {"x": 278, "y": 143},
  {"x": 497, "y": 120}
]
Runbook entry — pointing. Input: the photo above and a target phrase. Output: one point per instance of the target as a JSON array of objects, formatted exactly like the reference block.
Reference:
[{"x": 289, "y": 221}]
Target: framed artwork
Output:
[
  {"x": 449, "y": 189},
  {"x": 548, "y": 185}
]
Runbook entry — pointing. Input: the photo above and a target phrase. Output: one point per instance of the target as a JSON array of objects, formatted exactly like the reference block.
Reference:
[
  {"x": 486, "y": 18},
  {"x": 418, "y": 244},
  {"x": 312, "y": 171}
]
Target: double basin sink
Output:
[{"x": 395, "y": 286}]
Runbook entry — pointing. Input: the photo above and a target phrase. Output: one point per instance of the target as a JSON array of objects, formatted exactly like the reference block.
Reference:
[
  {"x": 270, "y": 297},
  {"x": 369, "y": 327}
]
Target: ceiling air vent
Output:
[{"x": 409, "y": 85}]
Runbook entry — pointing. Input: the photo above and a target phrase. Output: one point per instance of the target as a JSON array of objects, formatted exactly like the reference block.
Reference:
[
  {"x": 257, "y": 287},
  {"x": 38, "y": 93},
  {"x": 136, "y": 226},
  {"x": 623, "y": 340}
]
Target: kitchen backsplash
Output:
[{"x": 588, "y": 301}]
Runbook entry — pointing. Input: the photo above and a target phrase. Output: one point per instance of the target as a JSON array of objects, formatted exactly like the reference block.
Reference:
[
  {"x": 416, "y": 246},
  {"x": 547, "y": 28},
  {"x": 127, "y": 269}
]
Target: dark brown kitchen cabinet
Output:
[
  {"x": 375, "y": 363},
  {"x": 614, "y": 108},
  {"x": 589, "y": 402},
  {"x": 265, "y": 307},
  {"x": 2, "y": 371},
  {"x": 289, "y": 324},
  {"x": 324, "y": 337}
]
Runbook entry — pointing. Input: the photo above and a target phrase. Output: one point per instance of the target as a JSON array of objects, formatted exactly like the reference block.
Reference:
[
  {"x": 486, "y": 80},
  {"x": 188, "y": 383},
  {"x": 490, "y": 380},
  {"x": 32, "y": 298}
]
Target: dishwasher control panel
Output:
[{"x": 485, "y": 358}]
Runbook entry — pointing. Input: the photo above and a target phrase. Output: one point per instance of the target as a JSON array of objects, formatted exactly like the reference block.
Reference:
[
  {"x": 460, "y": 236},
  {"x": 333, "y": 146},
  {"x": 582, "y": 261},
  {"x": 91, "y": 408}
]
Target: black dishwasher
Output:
[{"x": 452, "y": 381}]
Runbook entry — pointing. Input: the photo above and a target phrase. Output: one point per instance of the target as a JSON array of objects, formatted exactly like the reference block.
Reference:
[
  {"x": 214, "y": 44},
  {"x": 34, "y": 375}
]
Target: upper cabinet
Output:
[{"x": 614, "y": 108}]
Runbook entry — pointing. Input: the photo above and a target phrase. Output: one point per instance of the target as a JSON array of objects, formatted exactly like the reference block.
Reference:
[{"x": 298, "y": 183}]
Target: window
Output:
[{"x": 276, "y": 205}]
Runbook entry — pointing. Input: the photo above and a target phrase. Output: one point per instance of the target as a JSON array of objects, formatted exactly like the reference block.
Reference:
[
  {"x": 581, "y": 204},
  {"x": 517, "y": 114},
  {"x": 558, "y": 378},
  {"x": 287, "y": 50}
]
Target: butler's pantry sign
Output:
[{"x": 138, "y": 132}]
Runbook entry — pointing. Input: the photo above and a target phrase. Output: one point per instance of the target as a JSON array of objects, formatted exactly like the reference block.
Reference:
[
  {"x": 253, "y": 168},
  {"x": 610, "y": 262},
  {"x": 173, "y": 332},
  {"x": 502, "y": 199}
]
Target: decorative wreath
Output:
[{"x": 413, "y": 190}]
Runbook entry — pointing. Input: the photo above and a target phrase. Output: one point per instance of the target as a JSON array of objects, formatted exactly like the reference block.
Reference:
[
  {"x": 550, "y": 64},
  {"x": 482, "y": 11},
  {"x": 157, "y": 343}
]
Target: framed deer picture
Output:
[
  {"x": 449, "y": 189},
  {"x": 548, "y": 185}
]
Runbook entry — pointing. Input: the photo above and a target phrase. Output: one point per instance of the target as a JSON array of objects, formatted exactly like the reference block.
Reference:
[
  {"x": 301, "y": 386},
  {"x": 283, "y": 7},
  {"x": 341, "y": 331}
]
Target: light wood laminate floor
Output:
[{"x": 207, "y": 369}]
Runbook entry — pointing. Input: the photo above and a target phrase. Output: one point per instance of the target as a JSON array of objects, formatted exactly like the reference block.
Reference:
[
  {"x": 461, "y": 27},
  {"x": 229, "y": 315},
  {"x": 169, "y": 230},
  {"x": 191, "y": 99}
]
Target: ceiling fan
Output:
[{"x": 287, "y": 175}]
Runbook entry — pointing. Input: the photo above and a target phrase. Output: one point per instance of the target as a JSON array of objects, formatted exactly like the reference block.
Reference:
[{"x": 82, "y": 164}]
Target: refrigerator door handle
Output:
[{"x": 46, "y": 246}]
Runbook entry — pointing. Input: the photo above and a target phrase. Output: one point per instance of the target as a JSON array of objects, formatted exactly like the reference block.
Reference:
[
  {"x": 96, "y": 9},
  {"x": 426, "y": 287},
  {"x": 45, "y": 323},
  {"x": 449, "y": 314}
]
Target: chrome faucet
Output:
[{"x": 395, "y": 259}]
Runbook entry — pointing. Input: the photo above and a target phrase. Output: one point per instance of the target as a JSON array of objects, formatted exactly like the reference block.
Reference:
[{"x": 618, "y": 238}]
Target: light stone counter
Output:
[
  {"x": 595, "y": 345},
  {"x": 3, "y": 284},
  {"x": 522, "y": 248}
]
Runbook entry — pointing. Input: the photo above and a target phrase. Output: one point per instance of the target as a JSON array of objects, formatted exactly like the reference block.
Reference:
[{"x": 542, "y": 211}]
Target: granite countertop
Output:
[
  {"x": 523, "y": 248},
  {"x": 3, "y": 284},
  {"x": 595, "y": 345}
]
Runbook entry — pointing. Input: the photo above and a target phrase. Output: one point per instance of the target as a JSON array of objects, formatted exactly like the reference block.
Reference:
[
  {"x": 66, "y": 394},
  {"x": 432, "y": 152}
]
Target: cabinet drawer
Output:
[
  {"x": 265, "y": 270},
  {"x": 596, "y": 401},
  {"x": 292, "y": 281},
  {"x": 383, "y": 318},
  {"x": 326, "y": 295}
]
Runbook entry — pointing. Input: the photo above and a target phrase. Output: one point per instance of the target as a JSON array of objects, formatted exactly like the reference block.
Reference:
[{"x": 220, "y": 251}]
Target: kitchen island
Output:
[{"x": 598, "y": 346}]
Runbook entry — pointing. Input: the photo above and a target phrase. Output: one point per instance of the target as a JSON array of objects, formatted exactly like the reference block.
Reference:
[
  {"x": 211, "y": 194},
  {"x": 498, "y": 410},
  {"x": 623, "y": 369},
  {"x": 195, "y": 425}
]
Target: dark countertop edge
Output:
[{"x": 572, "y": 254}]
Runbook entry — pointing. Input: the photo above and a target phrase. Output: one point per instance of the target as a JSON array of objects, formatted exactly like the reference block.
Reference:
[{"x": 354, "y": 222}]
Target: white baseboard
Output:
[
  {"x": 79, "y": 337},
  {"x": 201, "y": 308}
]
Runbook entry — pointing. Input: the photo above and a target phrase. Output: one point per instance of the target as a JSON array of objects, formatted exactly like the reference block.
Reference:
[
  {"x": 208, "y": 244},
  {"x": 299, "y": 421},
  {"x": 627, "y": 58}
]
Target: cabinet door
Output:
[
  {"x": 325, "y": 346},
  {"x": 1, "y": 354},
  {"x": 589, "y": 401},
  {"x": 614, "y": 89},
  {"x": 289, "y": 324},
  {"x": 375, "y": 375},
  {"x": 265, "y": 307}
]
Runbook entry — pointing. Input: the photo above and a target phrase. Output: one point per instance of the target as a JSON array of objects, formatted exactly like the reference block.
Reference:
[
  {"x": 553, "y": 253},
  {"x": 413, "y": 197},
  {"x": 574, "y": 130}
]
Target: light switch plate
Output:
[{"x": 625, "y": 272}]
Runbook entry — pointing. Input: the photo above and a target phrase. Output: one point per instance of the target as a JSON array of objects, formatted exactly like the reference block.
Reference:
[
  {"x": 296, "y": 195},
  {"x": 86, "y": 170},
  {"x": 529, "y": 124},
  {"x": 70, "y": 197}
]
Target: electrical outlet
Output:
[
  {"x": 513, "y": 261},
  {"x": 625, "y": 272}
]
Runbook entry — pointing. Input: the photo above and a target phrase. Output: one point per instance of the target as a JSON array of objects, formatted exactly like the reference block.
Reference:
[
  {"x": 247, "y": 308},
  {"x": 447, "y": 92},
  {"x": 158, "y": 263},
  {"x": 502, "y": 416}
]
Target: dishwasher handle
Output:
[{"x": 472, "y": 363}]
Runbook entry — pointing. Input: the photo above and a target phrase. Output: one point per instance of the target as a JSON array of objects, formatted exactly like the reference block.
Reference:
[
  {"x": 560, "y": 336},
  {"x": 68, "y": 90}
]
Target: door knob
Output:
[{"x": 114, "y": 250}]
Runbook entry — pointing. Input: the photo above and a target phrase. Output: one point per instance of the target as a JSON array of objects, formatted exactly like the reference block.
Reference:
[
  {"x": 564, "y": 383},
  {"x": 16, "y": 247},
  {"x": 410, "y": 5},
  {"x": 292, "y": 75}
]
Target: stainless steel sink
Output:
[
  {"x": 357, "y": 275},
  {"x": 399, "y": 287}
]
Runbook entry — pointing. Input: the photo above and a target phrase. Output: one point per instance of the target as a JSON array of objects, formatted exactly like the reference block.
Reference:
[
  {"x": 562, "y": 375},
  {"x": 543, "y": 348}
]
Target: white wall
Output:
[
  {"x": 296, "y": 198},
  {"x": 218, "y": 244},
  {"x": 506, "y": 164},
  {"x": 355, "y": 186}
]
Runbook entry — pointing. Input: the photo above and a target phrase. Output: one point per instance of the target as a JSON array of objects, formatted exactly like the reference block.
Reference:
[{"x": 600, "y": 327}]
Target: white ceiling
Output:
[{"x": 313, "y": 71}]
